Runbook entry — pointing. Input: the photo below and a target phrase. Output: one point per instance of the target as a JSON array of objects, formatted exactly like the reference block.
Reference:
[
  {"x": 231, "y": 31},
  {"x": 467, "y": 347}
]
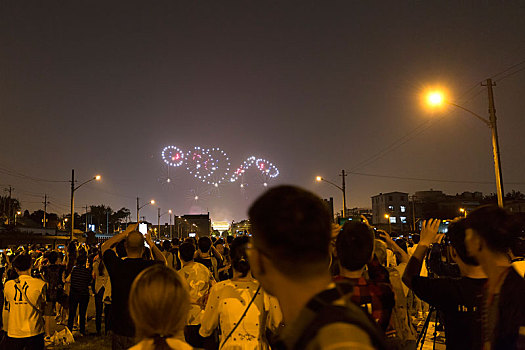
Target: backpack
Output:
[
  {"x": 55, "y": 288},
  {"x": 327, "y": 313}
]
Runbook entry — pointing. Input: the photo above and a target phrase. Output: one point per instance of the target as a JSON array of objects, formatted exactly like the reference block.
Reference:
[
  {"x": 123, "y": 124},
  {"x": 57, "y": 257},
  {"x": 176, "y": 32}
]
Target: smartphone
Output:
[
  {"x": 192, "y": 234},
  {"x": 143, "y": 228},
  {"x": 61, "y": 247},
  {"x": 2, "y": 250}
]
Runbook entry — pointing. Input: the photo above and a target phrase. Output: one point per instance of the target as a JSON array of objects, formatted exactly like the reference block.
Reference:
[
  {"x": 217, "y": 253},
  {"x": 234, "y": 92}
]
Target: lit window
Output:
[
  {"x": 390, "y": 207},
  {"x": 393, "y": 220},
  {"x": 403, "y": 219},
  {"x": 403, "y": 209}
]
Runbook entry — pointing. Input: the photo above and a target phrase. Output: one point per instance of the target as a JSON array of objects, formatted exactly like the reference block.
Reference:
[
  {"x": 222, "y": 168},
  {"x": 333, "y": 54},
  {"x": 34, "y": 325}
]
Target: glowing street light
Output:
[
  {"x": 463, "y": 211},
  {"x": 387, "y": 217},
  {"x": 140, "y": 207},
  {"x": 437, "y": 98},
  {"x": 342, "y": 188},
  {"x": 73, "y": 189}
]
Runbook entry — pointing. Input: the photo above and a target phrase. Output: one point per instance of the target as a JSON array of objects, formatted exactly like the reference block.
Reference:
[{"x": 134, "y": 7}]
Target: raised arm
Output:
[
  {"x": 429, "y": 235},
  {"x": 157, "y": 254},
  {"x": 403, "y": 256},
  {"x": 117, "y": 238}
]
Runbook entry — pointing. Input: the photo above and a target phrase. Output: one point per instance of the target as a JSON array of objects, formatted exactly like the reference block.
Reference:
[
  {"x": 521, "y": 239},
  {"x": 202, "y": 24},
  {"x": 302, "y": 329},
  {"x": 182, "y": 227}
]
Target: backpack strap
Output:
[
  {"x": 327, "y": 313},
  {"x": 24, "y": 293}
]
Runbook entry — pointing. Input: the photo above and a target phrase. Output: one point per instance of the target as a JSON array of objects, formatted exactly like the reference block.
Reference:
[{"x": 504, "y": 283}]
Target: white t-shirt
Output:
[
  {"x": 226, "y": 304},
  {"x": 23, "y": 320}
]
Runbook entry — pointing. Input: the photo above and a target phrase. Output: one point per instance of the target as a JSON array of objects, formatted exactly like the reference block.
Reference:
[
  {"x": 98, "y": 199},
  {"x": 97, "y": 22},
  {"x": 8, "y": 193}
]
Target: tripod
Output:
[{"x": 423, "y": 334}]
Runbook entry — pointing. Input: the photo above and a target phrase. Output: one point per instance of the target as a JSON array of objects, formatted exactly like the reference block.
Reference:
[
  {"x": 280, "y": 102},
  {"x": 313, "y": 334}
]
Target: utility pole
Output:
[
  {"x": 86, "y": 207},
  {"x": 10, "y": 208},
  {"x": 72, "y": 202},
  {"x": 107, "y": 221},
  {"x": 45, "y": 210},
  {"x": 158, "y": 222},
  {"x": 138, "y": 208},
  {"x": 495, "y": 143},
  {"x": 343, "y": 187}
]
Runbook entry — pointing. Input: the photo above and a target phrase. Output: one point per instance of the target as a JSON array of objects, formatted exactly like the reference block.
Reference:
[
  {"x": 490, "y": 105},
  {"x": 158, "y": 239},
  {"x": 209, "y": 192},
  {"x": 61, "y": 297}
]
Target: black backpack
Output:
[
  {"x": 328, "y": 313},
  {"x": 53, "y": 276}
]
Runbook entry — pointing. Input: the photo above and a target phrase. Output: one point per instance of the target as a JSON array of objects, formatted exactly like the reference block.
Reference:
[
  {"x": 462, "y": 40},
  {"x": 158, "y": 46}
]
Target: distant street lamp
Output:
[
  {"x": 437, "y": 98},
  {"x": 171, "y": 234},
  {"x": 159, "y": 215},
  {"x": 463, "y": 211},
  {"x": 387, "y": 217},
  {"x": 73, "y": 189},
  {"x": 17, "y": 214},
  {"x": 342, "y": 188},
  {"x": 140, "y": 207}
]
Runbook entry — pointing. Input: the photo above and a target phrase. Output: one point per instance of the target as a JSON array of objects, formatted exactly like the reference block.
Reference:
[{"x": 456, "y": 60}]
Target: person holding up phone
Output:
[{"x": 122, "y": 272}]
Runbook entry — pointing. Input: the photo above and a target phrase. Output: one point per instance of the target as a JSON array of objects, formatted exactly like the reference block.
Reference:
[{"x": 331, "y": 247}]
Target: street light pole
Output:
[
  {"x": 437, "y": 98},
  {"x": 73, "y": 189},
  {"x": 72, "y": 203},
  {"x": 342, "y": 188},
  {"x": 495, "y": 144},
  {"x": 171, "y": 232},
  {"x": 140, "y": 207}
]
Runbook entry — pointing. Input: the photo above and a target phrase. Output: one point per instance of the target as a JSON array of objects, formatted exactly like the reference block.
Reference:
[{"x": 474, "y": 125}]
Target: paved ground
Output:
[
  {"x": 90, "y": 341},
  {"x": 94, "y": 342}
]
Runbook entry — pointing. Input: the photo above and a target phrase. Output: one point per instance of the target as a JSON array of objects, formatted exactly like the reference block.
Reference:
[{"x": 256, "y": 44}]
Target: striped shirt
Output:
[{"x": 81, "y": 279}]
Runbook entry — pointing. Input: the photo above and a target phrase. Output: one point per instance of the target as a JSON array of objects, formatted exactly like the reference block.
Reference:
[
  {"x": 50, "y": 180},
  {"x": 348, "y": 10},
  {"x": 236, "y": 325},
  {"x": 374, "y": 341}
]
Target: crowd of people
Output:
[{"x": 298, "y": 282}]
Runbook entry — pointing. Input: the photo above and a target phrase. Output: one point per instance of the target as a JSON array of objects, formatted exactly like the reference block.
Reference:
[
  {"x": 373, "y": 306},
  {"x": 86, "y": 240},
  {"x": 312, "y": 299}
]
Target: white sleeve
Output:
[
  {"x": 275, "y": 315},
  {"x": 210, "y": 317}
]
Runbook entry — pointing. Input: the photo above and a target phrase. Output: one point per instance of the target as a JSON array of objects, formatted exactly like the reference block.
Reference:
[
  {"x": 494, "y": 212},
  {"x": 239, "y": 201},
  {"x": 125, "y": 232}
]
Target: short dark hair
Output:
[
  {"x": 22, "y": 262},
  {"x": 166, "y": 245},
  {"x": 354, "y": 245},
  {"x": 456, "y": 236},
  {"x": 175, "y": 241},
  {"x": 52, "y": 257},
  {"x": 81, "y": 260},
  {"x": 494, "y": 225},
  {"x": 186, "y": 251},
  {"x": 229, "y": 239},
  {"x": 238, "y": 255},
  {"x": 293, "y": 226},
  {"x": 204, "y": 244}
]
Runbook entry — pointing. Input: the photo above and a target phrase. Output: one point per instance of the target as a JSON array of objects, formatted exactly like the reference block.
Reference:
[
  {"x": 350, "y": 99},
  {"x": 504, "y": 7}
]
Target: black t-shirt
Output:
[
  {"x": 511, "y": 310},
  {"x": 122, "y": 272},
  {"x": 460, "y": 300}
]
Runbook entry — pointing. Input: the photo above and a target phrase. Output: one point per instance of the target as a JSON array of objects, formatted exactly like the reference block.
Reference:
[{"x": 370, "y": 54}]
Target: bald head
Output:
[{"x": 134, "y": 242}]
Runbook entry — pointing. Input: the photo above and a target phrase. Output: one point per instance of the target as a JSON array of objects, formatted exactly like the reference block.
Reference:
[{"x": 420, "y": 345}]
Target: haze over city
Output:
[{"x": 313, "y": 87}]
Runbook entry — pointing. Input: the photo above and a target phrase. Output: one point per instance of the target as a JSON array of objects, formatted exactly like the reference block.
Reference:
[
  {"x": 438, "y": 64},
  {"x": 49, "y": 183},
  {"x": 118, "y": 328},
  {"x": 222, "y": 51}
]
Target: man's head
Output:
[
  {"x": 489, "y": 230},
  {"x": 52, "y": 257},
  {"x": 134, "y": 243},
  {"x": 22, "y": 263},
  {"x": 186, "y": 251},
  {"x": 204, "y": 244},
  {"x": 456, "y": 236},
  {"x": 166, "y": 245},
  {"x": 291, "y": 231},
  {"x": 355, "y": 245}
]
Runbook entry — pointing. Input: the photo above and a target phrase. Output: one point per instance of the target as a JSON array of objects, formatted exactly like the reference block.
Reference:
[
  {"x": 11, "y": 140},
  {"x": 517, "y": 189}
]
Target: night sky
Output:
[{"x": 312, "y": 86}]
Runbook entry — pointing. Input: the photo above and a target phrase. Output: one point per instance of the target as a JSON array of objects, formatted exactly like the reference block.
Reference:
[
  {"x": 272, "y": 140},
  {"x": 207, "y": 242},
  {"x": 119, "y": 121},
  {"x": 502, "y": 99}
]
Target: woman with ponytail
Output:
[
  {"x": 243, "y": 310},
  {"x": 158, "y": 305}
]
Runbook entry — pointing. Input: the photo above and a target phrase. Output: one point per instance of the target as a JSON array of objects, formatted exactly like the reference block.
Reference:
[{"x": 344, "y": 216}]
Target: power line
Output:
[
  {"x": 19, "y": 175},
  {"x": 510, "y": 74},
  {"x": 434, "y": 180},
  {"x": 507, "y": 69}
]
